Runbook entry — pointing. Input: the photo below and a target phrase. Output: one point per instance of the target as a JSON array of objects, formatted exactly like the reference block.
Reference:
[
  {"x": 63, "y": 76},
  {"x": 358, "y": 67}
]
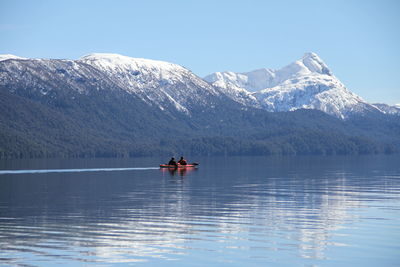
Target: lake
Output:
[{"x": 236, "y": 211}]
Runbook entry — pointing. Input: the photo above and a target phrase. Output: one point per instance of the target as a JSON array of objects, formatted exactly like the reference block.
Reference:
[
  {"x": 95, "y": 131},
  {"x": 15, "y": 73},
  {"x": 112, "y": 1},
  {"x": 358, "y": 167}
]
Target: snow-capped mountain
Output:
[
  {"x": 259, "y": 79},
  {"x": 163, "y": 85},
  {"x": 306, "y": 83},
  {"x": 155, "y": 82},
  {"x": 112, "y": 105}
]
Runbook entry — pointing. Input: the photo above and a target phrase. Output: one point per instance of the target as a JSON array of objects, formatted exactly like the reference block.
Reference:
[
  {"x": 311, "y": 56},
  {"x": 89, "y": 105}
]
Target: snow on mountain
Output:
[
  {"x": 387, "y": 109},
  {"x": 306, "y": 83},
  {"x": 9, "y": 56},
  {"x": 324, "y": 93},
  {"x": 156, "y": 82},
  {"x": 50, "y": 75},
  {"x": 164, "y": 85},
  {"x": 266, "y": 78},
  {"x": 234, "y": 85}
]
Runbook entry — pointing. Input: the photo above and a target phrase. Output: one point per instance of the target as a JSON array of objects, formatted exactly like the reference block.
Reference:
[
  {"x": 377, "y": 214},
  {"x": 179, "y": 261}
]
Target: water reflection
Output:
[
  {"x": 275, "y": 211},
  {"x": 181, "y": 172}
]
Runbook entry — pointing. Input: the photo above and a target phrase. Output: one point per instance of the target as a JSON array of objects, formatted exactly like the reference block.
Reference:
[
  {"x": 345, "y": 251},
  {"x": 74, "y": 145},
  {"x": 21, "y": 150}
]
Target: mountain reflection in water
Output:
[{"x": 238, "y": 211}]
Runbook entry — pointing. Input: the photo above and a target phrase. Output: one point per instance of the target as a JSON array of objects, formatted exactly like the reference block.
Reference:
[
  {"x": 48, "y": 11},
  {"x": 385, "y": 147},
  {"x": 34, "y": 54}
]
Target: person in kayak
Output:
[
  {"x": 182, "y": 161},
  {"x": 172, "y": 162}
]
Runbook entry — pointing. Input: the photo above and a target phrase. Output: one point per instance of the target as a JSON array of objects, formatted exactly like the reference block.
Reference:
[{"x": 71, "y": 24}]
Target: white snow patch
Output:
[{"x": 9, "y": 56}]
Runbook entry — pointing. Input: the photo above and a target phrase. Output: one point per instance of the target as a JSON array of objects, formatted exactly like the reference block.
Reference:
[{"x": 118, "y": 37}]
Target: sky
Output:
[{"x": 358, "y": 40}]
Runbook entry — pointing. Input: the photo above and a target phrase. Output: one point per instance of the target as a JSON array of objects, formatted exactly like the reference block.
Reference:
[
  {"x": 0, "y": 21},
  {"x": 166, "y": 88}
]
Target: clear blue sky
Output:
[{"x": 359, "y": 40}]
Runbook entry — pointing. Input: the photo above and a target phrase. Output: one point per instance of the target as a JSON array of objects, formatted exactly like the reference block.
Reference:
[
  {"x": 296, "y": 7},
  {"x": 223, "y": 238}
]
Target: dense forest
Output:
[{"x": 103, "y": 125}]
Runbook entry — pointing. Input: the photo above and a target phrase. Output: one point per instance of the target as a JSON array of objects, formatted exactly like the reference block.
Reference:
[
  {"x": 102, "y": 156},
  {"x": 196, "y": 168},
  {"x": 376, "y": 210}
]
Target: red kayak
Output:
[{"x": 179, "y": 166}]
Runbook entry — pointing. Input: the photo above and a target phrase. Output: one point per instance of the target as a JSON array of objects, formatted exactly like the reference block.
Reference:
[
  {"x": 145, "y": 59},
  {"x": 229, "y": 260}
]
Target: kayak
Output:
[{"x": 179, "y": 166}]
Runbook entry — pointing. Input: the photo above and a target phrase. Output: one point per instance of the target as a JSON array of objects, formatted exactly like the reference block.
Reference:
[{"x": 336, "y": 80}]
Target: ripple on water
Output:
[{"x": 291, "y": 215}]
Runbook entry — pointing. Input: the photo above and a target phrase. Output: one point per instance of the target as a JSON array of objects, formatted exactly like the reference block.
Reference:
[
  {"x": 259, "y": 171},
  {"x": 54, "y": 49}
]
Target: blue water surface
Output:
[{"x": 233, "y": 211}]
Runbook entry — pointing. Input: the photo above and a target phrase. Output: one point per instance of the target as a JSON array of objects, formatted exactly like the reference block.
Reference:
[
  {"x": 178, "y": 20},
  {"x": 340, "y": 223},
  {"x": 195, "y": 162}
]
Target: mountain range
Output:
[{"x": 113, "y": 105}]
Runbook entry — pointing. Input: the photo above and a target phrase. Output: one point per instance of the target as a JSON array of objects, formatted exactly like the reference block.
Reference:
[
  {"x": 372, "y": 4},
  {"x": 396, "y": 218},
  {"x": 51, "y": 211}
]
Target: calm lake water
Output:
[{"x": 238, "y": 211}]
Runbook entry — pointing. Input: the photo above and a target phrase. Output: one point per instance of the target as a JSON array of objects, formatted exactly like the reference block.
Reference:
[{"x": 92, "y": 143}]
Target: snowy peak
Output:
[
  {"x": 9, "y": 56},
  {"x": 321, "y": 92},
  {"x": 157, "y": 83},
  {"x": 310, "y": 64},
  {"x": 307, "y": 83},
  {"x": 167, "y": 86},
  {"x": 314, "y": 64},
  {"x": 138, "y": 72},
  {"x": 112, "y": 61},
  {"x": 260, "y": 78},
  {"x": 250, "y": 81},
  {"x": 227, "y": 79},
  {"x": 135, "y": 68}
]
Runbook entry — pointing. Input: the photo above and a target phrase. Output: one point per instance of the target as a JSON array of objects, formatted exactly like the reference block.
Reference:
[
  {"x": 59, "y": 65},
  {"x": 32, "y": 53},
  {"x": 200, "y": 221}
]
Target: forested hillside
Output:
[{"x": 58, "y": 108}]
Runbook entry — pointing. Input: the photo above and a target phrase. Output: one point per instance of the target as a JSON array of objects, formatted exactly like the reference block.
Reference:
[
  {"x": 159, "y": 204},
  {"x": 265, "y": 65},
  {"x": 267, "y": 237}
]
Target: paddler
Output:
[
  {"x": 172, "y": 162},
  {"x": 182, "y": 161}
]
